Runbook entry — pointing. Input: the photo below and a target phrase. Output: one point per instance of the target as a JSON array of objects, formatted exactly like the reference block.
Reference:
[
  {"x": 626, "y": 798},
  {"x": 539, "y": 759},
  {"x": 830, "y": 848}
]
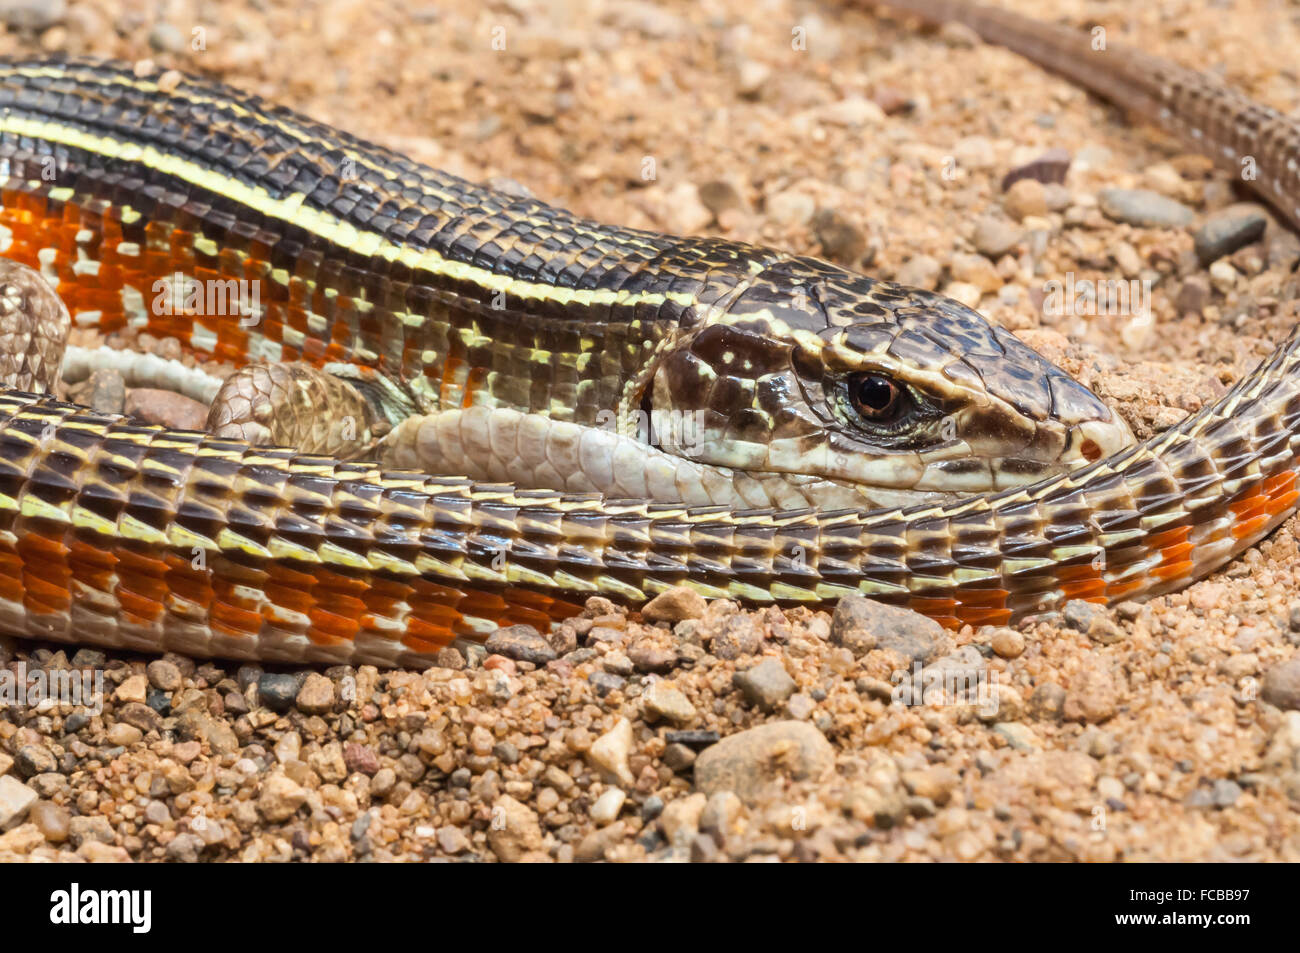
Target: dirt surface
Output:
[{"x": 1158, "y": 732}]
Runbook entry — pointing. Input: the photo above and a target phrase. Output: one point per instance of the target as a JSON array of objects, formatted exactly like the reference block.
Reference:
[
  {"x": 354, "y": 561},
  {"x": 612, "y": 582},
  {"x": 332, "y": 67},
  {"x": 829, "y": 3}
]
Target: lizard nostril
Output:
[{"x": 1091, "y": 452}]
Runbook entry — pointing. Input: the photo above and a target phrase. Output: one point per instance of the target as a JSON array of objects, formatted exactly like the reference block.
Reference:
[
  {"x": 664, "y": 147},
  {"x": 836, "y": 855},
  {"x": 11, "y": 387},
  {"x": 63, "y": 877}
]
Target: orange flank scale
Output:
[
  {"x": 1272, "y": 498},
  {"x": 37, "y": 224},
  {"x": 42, "y": 572}
]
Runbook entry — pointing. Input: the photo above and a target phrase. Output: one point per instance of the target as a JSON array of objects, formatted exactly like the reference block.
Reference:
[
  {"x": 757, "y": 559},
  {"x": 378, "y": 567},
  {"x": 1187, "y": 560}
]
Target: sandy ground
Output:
[{"x": 1140, "y": 733}]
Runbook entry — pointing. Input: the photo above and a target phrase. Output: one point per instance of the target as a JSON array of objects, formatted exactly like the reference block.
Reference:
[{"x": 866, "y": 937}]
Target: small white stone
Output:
[
  {"x": 15, "y": 800},
  {"x": 1223, "y": 276},
  {"x": 607, "y": 806},
  {"x": 610, "y": 752}
]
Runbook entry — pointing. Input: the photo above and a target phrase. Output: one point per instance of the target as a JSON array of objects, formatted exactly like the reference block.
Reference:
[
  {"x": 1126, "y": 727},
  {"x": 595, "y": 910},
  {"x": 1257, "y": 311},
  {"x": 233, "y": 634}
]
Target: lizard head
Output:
[{"x": 861, "y": 390}]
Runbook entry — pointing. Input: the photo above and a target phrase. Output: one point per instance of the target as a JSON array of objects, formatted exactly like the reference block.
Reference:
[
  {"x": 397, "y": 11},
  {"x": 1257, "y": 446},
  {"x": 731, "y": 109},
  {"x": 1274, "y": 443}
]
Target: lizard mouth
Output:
[{"x": 540, "y": 453}]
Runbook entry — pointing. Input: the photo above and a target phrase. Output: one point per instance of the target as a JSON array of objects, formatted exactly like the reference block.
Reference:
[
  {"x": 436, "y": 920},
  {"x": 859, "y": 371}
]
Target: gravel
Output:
[{"x": 1144, "y": 208}]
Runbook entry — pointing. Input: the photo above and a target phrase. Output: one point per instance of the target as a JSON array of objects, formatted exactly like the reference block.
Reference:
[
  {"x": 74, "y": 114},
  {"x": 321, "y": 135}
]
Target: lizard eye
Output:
[{"x": 876, "y": 397}]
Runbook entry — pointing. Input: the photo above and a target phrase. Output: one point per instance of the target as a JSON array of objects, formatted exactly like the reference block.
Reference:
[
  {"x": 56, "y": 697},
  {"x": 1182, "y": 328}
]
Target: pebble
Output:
[
  {"x": 959, "y": 35},
  {"x": 704, "y": 850},
  {"x": 165, "y": 38},
  {"x": 184, "y": 848},
  {"x": 164, "y": 675},
  {"x": 1223, "y": 276},
  {"x": 684, "y": 212},
  {"x": 280, "y": 798},
  {"x": 977, "y": 271},
  {"x": 1025, "y": 198},
  {"x": 994, "y": 237},
  {"x": 1239, "y": 666},
  {"x": 1093, "y": 695},
  {"x": 451, "y": 840},
  {"x": 1144, "y": 208},
  {"x": 680, "y": 820},
  {"x": 1005, "y": 704},
  {"x": 607, "y": 807},
  {"x": 697, "y": 738},
  {"x": 83, "y": 830},
  {"x": 1047, "y": 703},
  {"x": 751, "y": 77},
  {"x": 841, "y": 239},
  {"x": 186, "y": 751},
  {"x": 963, "y": 292},
  {"x": 1092, "y": 620},
  {"x": 199, "y": 725},
  {"x": 721, "y": 813},
  {"x": 739, "y": 636},
  {"x": 860, "y": 625},
  {"x": 919, "y": 271},
  {"x": 1019, "y": 736},
  {"x": 94, "y": 852},
  {"x": 719, "y": 196},
  {"x": 360, "y": 758},
  {"x": 974, "y": 152},
  {"x": 104, "y": 392},
  {"x": 133, "y": 689},
  {"x": 277, "y": 692},
  {"x": 521, "y": 643},
  {"x": 892, "y": 100},
  {"x": 451, "y": 658},
  {"x": 165, "y": 407},
  {"x": 1282, "y": 249},
  {"x": 852, "y": 112},
  {"x": 16, "y": 799},
  {"x": 33, "y": 15},
  {"x": 142, "y": 716},
  {"x": 1226, "y": 231},
  {"x": 1281, "y": 685},
  {"x": 934, "y": 783},
  {"x": 316, "y": 697},
  {"x": 31, "y": 760},
  {"x": 654, "y": 653},
  {"x": 651, "y": 808},
  {"x": 1057, "y": 197},
  {"x": 1051, "y": 167},
  {"x": 663, "y": 702},
  {"x": 766, "y": 684},
  {"x": 596, "y": 845},
  {"x": 514, "y": 831},
  {"x": 605, "y": 682},
  {"x": 1007, "y": 643},
  {"x": 53, "y": 821},
  {"x": 289, "y": 747},
  {"x": 678, "y": 758},
  {"x": 617, "y": 663},
  {"x": 1225, "y": 792},
  {"x": 791, "y": 207},
  {"x": 746, "y": 762},
  {"x": 123, "y": 734},
  {"x": 609, "y": 753},
  {"x": 1193, "y": 296}
]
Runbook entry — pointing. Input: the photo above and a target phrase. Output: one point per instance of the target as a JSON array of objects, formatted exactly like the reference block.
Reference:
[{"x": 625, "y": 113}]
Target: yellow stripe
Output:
[
  {"x": 187, "y": 94},
  {"x": 292, "y": 210}
]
